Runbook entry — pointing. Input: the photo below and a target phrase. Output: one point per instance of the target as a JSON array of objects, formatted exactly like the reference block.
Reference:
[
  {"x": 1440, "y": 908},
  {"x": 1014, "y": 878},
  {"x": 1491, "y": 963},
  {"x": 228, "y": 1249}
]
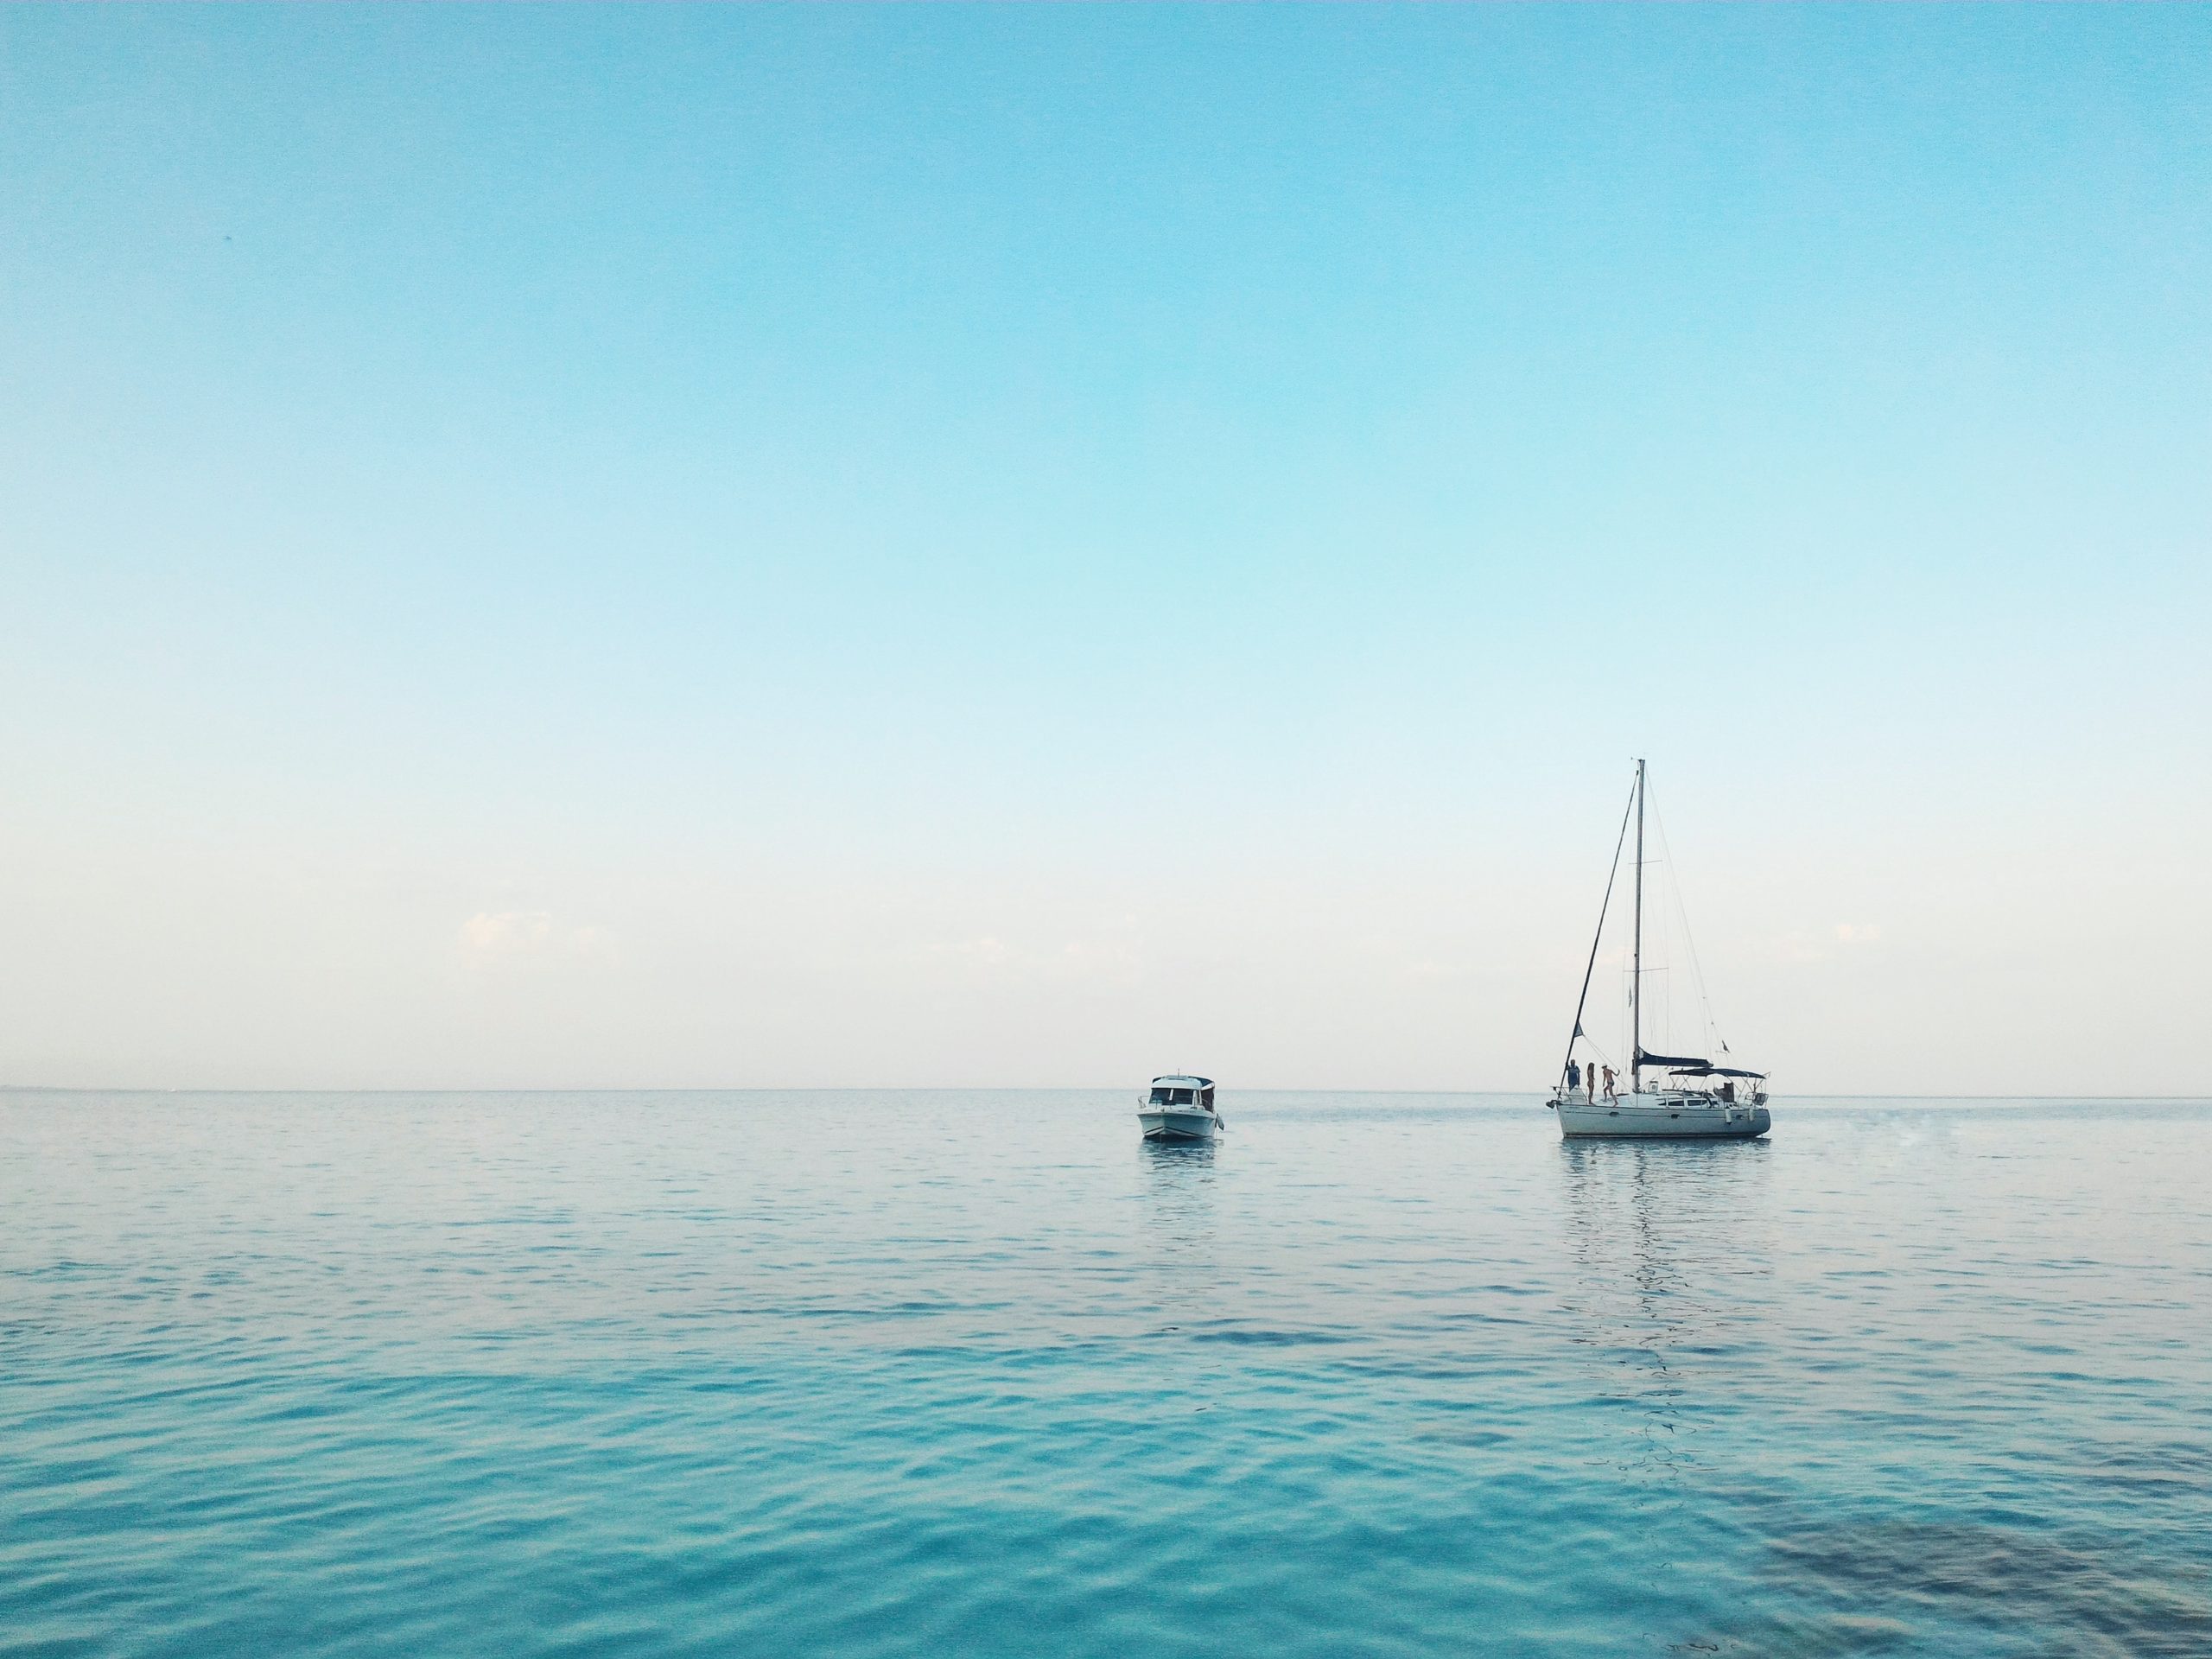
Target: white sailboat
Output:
[{"x": 1693, "y": 1099}]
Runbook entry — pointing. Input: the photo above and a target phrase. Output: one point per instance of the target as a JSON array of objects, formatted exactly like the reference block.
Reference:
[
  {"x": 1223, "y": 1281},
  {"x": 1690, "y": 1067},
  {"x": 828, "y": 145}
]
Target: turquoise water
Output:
[{"x": 883, "y": 1373}]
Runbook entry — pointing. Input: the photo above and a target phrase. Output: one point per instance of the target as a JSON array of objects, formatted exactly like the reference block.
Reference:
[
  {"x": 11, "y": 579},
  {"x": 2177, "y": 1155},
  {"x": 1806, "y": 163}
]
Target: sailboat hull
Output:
[{"x": 1631, "y": 1119}]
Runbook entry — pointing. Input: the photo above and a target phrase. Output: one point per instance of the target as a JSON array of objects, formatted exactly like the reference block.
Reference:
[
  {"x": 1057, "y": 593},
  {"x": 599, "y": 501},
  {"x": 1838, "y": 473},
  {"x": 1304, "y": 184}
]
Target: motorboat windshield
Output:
[{"x": 1182, "y": 1091}]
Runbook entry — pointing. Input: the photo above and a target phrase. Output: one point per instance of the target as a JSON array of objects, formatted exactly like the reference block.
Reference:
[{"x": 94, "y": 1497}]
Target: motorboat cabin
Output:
[{"x": 1178, "y": 1107}]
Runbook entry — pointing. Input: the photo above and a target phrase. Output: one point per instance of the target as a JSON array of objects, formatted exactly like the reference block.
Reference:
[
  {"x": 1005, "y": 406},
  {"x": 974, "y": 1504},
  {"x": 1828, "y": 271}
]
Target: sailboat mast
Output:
[{"x": 1636, "y": 967}]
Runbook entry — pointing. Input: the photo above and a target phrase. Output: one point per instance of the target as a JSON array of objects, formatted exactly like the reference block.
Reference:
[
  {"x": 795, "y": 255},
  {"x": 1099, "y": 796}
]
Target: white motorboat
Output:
[
  {"x": 1178, "y": 1107},
  {"x": 1693, "y": 1098}
]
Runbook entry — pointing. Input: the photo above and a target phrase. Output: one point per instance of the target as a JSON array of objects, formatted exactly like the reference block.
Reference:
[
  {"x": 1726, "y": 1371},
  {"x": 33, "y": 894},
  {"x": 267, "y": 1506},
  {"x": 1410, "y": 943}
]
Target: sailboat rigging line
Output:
[
  {"x": 1591, "y": 967},
  {"x": 1690, "y": 939}
]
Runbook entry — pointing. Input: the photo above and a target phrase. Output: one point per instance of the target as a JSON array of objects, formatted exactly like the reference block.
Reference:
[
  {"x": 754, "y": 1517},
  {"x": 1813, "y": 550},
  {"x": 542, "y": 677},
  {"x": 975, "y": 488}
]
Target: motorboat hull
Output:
[
  {"x": 1631, "y": 1118},
  {"x": 1178, "y": 1123}
]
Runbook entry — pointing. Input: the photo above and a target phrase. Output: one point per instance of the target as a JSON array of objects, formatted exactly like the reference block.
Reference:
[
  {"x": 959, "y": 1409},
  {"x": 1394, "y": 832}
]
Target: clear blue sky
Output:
[{"x": 551, "y": 546}]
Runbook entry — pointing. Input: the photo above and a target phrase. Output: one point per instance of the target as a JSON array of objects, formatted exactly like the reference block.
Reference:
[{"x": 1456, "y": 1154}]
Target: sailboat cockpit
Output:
[{"x": 1706, "y": 1083}]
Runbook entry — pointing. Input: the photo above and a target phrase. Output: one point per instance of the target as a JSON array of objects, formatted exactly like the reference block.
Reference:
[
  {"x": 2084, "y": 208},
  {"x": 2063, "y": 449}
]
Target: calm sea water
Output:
[{"x": 890, "y": 1373}]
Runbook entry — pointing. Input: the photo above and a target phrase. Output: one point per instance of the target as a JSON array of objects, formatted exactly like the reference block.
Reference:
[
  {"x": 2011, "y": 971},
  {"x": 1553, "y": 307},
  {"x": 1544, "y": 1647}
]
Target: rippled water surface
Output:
[{"x": 884, "y": 1373}]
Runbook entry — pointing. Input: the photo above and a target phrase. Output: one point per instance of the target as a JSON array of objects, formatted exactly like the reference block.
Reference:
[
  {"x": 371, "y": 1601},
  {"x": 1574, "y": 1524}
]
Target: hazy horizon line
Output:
[{"x": 982, "y": 1089}]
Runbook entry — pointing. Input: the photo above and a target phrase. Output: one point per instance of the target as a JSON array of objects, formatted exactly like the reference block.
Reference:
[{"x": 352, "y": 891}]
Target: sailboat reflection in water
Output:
[{"x": 1694, "y": 1098}]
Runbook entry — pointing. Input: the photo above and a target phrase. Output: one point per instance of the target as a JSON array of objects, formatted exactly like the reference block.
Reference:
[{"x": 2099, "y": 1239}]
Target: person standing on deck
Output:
[
  {"x": 1573, "y": 1076},
  {"x": 1610, "y": 1094}
]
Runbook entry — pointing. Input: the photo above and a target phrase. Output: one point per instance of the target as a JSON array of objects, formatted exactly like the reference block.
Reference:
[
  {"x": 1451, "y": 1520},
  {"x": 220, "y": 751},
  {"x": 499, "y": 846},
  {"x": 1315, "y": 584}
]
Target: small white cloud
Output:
[
  {"x": 1099, "y": 956},
  {"x": 1800, "y": 946},
  {"x": 1432, "y": 970},
  {"x": 1857, "y": 933},
  {"x": 984, "y": 950},
  {"x": 502, "y": 934},
  {"x": 508, "y": 932}
]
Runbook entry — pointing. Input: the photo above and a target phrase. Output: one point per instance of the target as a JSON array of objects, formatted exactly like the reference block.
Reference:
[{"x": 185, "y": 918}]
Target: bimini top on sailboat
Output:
[{"x": 1695, "y": 1099}]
